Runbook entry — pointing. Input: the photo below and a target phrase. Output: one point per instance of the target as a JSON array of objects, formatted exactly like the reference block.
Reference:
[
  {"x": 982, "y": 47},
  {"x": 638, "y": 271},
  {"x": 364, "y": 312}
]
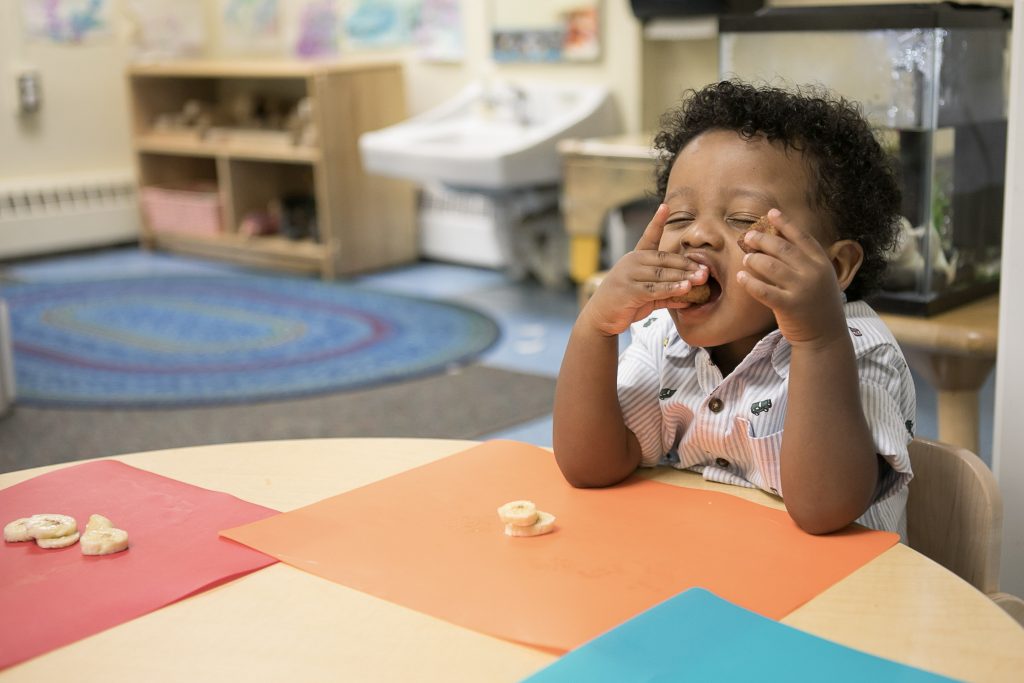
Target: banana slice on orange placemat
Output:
[
  {"x": 522, "y": 518},
  {"x": 545, "y": 524},
  {"x": 518, "y": 513}
]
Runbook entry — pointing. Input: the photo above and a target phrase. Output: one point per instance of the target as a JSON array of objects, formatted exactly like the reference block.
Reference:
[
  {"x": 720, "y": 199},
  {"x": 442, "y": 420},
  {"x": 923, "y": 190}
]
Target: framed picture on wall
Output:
[{"x": 545, "y": 30}]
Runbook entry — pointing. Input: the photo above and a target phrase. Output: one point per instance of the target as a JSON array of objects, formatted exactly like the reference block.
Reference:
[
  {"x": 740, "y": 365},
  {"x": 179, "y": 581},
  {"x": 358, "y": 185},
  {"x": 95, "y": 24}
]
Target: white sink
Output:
[{"x": 492, "y": 136}]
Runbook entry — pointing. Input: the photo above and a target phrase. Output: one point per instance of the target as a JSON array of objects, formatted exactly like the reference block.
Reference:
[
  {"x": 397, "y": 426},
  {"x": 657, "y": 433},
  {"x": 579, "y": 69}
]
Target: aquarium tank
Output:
[{"x": 933, "y": 81}]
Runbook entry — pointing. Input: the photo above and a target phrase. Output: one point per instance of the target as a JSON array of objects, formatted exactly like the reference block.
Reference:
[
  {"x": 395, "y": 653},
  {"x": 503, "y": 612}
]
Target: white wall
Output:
[
  {"x": 1008, "y": 442},
  {"x": 83, "y": 123},
  {"x": 619, "y": 66}
]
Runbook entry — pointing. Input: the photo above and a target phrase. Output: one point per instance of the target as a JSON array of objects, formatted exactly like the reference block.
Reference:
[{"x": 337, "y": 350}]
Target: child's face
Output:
[{"x": 719, "y": 185}]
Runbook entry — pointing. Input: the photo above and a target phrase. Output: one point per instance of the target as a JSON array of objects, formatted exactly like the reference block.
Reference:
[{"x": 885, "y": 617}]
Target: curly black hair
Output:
[{"x": 856, "y": 188}]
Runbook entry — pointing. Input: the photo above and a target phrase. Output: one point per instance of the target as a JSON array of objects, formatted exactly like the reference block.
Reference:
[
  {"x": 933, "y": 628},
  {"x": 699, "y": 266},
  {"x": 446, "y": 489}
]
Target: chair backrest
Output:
[
  {"x": 955, "y": 512},
  {"x": 1011, "y": 604}
]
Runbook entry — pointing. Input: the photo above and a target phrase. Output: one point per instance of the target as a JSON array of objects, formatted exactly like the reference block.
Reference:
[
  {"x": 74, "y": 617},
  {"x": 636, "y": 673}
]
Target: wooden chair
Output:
[
  {"x": 955, "y": 517},
  {"x": 955, "y": 512},
  {"x": 1011, "y": 604}
]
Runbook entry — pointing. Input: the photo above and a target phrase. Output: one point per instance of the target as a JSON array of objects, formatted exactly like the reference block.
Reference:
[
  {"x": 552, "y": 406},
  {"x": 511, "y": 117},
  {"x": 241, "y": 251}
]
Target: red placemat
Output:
[{"x": 50, "y": 598}]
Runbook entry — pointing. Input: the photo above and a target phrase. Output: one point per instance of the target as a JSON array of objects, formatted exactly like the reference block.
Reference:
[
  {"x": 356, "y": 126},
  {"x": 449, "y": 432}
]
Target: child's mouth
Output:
[{"x": 716, "y": 290}]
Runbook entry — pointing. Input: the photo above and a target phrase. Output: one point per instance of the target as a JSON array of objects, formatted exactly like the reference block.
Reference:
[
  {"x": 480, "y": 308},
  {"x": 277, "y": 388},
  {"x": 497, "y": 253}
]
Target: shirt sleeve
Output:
[
  {"x": 887, "y": 397},
  {"x": 639, "y": 382}
]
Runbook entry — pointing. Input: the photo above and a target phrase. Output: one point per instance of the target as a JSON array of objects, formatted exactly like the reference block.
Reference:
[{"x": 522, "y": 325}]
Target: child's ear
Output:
[{"x": 846, "y": 257}]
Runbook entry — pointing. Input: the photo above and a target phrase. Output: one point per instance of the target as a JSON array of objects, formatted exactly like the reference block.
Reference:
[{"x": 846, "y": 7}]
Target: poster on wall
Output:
[
  {"x": 313, "y": 28},
  {"x": 166, "y": 29},
  {"x": 545, "y": 30},
  {"x": 381, "y": 23},
  {"x": 69, "y": 22},
  {"x": 439, "y": 31},
  {"x": 250, "y": 26}
]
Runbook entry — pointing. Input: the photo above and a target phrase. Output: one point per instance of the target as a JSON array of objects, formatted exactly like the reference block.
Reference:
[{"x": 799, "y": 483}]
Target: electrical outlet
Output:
[{"x": 29, "y": 92}]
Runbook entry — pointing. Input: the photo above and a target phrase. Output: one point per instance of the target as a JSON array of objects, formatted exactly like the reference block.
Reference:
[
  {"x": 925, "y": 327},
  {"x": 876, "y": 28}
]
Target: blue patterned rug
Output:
[{"x": 186, "y": 341}]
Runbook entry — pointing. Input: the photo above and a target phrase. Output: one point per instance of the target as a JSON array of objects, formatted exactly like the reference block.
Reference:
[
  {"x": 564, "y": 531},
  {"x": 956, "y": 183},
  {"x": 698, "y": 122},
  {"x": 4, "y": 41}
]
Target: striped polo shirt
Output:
[{"x": 684, "y": 413}]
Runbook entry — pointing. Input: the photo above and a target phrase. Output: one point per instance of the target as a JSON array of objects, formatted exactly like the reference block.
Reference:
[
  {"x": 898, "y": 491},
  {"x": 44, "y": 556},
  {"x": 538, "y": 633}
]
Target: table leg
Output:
[
  {"x": 584, "y": 256},
  {"x": 958, "y": 418},
  {"x": 957, "y": 381}
]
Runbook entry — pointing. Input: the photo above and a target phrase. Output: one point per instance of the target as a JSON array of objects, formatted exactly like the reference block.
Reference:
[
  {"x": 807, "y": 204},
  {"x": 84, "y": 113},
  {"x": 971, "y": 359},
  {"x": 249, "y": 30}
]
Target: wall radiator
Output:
[{"x": 39, "y": 216}]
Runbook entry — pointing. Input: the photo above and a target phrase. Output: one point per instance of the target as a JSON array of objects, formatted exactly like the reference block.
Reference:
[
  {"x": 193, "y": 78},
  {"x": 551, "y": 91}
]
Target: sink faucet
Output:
[
  {"x": 509, "y": 95},
  {"x": 519, "y": 105}
]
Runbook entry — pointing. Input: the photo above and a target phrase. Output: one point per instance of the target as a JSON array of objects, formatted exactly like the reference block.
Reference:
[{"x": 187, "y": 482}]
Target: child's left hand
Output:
[{"x": 791, "y": 274}]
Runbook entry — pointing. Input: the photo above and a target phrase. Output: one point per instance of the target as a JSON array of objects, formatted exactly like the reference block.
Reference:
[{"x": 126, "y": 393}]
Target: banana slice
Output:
[
  {"x": 104, "y": 541},
  {"x": 518, "y": 513},
  {"x": 545, "y": 524},
  {"x": 98, "y": 522},
  {"x": 58, "y": 542},
  {"x": 17, "y": 531},
  {"x": 51, "y": 526}
]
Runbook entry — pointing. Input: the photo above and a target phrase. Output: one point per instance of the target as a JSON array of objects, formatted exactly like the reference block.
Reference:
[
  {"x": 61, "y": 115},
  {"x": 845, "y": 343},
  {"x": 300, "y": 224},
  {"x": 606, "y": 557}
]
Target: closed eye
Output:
[
  {"x": 742, "y": 222},
  {"x": 679, "y": 222}
]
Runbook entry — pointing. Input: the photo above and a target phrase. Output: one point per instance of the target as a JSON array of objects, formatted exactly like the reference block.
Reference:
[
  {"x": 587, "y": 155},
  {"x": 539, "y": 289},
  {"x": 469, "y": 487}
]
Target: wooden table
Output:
[
  {"x": 281, "y": 623},
  {"x": 953, "y": 351},
  {"x": 600, "y": 174}
]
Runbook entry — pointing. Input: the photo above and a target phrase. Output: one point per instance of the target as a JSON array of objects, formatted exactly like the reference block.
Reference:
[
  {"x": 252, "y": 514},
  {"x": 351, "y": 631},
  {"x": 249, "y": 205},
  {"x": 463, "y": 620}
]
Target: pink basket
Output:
[{"x": 193, "y": 212}]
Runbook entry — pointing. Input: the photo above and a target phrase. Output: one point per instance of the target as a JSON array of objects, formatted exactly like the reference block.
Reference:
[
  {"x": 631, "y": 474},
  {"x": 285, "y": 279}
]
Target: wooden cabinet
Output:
[{"x": 362, "y": 222}]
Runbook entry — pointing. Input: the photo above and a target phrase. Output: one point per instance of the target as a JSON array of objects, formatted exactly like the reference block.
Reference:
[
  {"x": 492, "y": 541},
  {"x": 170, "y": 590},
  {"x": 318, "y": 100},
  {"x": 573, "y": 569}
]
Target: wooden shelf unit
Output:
[{"x": 364, "y": 222}]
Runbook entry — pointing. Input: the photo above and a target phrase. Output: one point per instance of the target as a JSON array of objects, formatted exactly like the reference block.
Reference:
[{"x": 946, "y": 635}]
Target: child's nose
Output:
[{"x": 702, "y": 234}]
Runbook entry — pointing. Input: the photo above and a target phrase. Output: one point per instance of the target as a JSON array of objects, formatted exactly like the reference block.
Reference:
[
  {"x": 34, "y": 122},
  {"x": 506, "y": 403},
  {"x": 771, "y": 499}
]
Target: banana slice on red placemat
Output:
[
  {"x": 104, "y": 541},
  {"x": 58, "y": 541},
  {"x": 51, "y": 526},
  {"x": 100, "y": 537},
  {"x": 98, "y": 522},
  {"x": 17, "y": 531}
]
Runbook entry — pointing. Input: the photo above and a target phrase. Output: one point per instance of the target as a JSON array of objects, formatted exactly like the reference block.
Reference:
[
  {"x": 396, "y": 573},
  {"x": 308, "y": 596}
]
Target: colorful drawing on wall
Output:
[
  {"x": 316, "y": 29},
  {"x": 439, "y": 31},
  {"x": 546, "y": 30},
  {"x": 69, "y": 22},
  {"x": 250, "y": 25},
  {"x": 381, "y": 23},
  {"x": 167, "y": 29}
]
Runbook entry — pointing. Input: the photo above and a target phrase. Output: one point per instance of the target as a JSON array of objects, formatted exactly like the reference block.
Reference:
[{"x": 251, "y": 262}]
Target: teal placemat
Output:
[{"x": 697, "y": 636}]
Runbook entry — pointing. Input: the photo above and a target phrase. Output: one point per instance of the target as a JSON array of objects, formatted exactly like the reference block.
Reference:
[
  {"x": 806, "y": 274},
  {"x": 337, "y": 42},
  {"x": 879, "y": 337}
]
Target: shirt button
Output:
[
  {"x": 722, "y": 462},
  {"x": 715, "y": 405}
]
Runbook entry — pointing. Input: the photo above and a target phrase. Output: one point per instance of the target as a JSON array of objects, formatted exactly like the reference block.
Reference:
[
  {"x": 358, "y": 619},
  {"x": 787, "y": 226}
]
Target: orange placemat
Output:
[
  {"x": 50, "y": 598},
  {"x": 430, "y": 539}
]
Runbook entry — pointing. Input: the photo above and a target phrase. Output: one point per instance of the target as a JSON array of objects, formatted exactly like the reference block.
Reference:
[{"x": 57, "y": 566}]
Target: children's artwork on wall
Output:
[
  {"x": 439, "y": 31},
  {"x": 70, "y": 22},
  {"x": 545, "y": 30},
  {"x": 250, "y": 26},
  {"x": 381, "y": 23},
  {"x": 314, "y": 29},
  {"x": 166, "y": 29}
]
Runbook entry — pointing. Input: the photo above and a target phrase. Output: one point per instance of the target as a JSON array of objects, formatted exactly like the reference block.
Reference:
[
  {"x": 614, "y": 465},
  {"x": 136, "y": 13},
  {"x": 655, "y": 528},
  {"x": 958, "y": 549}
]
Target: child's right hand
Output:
[{"x": 643, "y": 280}]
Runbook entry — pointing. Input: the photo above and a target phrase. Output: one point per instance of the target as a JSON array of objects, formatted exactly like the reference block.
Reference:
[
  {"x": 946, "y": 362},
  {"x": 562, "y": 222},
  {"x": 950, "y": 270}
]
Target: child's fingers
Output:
[
  {"x": 791, "y": 241},
  {"x": 660, "y": 291},
  {"x": 764, "y": 293},
  {"x": 651, "y": 238},
  {"x": 697, "y": 276},
  {"x": 664, "y": 265},
  {"x": 769, "y": 269}
]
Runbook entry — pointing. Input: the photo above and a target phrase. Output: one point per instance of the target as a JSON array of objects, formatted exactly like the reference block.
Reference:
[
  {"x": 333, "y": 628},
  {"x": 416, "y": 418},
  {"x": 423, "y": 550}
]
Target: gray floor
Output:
[{"x": 535, "y": 322}]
